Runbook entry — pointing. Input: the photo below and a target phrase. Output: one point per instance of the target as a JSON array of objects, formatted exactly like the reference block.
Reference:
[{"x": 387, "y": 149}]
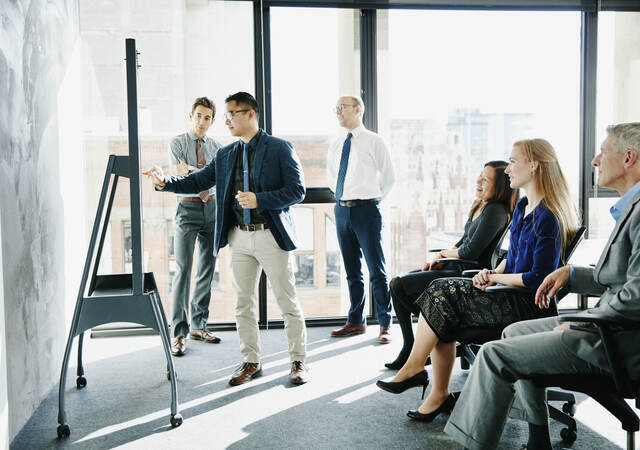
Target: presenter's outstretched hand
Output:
[
  {"x": 156, "y": 175},
  {"x": 551, "y": 285}
]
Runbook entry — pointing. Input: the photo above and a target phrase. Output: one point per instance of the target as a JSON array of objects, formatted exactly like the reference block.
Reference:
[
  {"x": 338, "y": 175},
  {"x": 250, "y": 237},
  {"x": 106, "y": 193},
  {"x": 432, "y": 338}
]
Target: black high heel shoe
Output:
[
  {"x": 446, "y": 407},
  {"x": 419, "y": 379}
]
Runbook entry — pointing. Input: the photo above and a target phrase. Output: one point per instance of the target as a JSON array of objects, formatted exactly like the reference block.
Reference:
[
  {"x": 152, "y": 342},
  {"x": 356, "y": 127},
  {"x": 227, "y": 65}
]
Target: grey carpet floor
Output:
[{"x": 126, "y": 401}]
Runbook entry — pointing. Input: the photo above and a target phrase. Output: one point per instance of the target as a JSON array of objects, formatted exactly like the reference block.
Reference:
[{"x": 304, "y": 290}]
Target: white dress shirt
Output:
[{"x": 369, "y": 171}]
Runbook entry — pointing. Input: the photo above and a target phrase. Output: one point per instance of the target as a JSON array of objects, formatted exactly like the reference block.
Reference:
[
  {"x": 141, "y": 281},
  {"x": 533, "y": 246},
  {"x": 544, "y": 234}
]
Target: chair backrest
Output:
[
  {"x": 501, "y": 248},
  {"x": 569, "y": 249}
]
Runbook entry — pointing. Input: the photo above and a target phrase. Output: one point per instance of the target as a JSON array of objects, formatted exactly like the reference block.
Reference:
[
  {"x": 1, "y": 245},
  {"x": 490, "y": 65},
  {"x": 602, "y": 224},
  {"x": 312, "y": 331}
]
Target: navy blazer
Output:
[{"x": 279, "y": 183}]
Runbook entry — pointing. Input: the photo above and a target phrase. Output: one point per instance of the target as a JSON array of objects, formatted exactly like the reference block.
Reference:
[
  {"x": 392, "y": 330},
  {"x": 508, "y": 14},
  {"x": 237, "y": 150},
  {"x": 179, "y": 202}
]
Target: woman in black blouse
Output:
[{"x": 487, "y": 220}]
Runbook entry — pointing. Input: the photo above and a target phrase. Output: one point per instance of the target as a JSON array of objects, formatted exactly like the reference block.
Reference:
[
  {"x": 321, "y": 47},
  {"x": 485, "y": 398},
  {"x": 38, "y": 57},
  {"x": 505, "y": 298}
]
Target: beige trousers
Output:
[{"x": 252, "y": 251}]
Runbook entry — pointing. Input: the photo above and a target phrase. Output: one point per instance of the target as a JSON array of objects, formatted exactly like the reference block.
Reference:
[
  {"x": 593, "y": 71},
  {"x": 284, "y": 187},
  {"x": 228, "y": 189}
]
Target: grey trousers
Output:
[
  {"x": 499, "y": 375},
  {"x": 194, "y": 221}
]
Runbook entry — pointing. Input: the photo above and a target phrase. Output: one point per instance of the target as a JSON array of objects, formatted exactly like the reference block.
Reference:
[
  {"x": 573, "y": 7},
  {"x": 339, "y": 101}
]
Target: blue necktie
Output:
[
  {"x": 246, "y": 213},
  {"x": 342, "y": 171}
]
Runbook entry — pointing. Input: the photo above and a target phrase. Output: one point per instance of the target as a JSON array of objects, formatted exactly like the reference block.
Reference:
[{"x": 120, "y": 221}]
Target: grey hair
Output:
[{"x": 626, "y": 135}]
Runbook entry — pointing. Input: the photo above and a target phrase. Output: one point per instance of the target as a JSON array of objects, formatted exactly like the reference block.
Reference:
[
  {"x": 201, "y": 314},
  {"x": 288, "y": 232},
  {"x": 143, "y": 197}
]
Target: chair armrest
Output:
[
  {"x": 606, "y": 327},
  {"x": 470, "y": 273},
  {"x": 460, "y": 264},
  {"x": 510, "y": 289},
  {"x": 600, "y": 319}
]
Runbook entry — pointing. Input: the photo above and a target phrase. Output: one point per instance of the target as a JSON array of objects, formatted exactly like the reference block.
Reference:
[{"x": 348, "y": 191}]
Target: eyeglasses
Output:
[
  {"x": 229, "y": 114},
  {"x": 339, "y": 108}
]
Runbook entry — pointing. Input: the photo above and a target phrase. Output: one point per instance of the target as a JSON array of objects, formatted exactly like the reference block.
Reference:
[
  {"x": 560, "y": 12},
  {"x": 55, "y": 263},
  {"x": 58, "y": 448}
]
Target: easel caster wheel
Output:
[
  {"x": 568, "y": 435},
  {"x": 81, "y": 382},
  {"x": 176, "y": 420},
  {"x": 63, "y": 431},
  {"x": 569, "y": 408}
]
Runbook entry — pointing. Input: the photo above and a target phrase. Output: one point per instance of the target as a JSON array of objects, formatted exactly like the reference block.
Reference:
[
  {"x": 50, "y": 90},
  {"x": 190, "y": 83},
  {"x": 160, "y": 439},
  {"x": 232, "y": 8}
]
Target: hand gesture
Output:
[
  {"x": 156, "y": 175},
  {"x": 247, "y": 200},
  {"x": 482, "y": 280},
  {"x": 551, "y": 285}
]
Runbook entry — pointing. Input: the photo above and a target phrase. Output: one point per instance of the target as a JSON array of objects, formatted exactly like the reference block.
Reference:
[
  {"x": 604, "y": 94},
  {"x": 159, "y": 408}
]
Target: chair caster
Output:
[
  {"x": 569, "y": 408},
  {"x": 176, "y": 420},
  {"x": 63, "y": 431},
  {"x": 568, "y": 435},
  {"x": 81, "y": 382}
]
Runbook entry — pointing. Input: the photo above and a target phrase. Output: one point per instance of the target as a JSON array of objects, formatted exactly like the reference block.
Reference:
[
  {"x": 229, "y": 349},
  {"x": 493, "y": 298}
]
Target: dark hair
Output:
[
  {"x": 503, "y": 193},
  {"x": 204, "y": 101},
  {"x": 245, "y": 99}
]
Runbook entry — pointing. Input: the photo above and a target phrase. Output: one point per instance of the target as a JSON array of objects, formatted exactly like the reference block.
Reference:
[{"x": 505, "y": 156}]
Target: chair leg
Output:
[{"x": 631, "y": 440}]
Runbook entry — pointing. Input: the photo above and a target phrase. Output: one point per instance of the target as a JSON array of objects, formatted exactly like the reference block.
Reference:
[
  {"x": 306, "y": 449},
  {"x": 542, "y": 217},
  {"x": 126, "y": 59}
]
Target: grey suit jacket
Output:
[{"x": 616, "y": 278}]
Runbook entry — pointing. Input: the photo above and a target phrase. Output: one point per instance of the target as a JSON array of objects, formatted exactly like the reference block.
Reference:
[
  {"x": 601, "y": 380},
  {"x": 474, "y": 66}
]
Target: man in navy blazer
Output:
[{"x": 257, "y": 179}]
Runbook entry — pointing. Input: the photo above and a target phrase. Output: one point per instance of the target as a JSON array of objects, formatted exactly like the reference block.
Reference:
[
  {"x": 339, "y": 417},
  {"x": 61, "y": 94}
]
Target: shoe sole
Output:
[
  {"x": 198, "y": 338},
  {"x": 255, "y": 375},
  {"x": 353, "y": 333},
  {"x": 298, "y": 382},
  {"x": 178, "y": 353},
  {"x": 384, "y": 341}
]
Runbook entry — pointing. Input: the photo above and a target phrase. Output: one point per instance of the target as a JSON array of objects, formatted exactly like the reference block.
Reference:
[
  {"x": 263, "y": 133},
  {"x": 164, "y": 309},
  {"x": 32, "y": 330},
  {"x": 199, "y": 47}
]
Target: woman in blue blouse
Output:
[{"x": 542, "y": 222}]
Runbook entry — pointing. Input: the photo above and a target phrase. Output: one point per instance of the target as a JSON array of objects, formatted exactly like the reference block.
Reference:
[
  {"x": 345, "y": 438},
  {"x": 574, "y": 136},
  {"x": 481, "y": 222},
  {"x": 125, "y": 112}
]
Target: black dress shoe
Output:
[
  {"x": 446, "y": 406},
  {"x": 419, "y": 379},
  {"x": 395, "y": 365}
]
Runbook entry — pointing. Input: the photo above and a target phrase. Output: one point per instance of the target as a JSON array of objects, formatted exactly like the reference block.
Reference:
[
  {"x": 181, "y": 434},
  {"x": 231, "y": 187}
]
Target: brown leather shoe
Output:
[
  {"x": 204, "y": 335},
  {"x": 299, "y": 373},
  {"x": 179, "y": 346},
  {"x": 349, "y": 329},
  {"x": 246, "y": 372},
  {"x": 385, "y": 336}
]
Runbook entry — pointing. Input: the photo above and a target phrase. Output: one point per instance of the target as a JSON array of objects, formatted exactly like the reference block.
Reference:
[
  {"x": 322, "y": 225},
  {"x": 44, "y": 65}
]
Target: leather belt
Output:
[
  {"x": 352, "y": 203},
  {"x": 254, "y": 227},
  {"x": 195, "y": 199}
]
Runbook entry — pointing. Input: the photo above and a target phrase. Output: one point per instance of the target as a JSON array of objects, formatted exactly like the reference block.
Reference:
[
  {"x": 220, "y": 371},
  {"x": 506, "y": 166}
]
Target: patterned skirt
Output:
[{"x": 453, "y": 304}]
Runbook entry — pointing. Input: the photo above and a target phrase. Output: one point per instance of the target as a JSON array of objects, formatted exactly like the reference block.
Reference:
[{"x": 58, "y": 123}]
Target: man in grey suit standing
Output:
[
  {"x": 195, "y": 220},
  {"x": 545, "y": 346}
]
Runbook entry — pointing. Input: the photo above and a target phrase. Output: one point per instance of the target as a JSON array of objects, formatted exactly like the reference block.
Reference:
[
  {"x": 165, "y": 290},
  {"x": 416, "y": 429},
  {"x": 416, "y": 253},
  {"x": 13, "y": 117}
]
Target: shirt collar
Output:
[
  {"x": 357, "y": 131},
  {"x": 193, "y": 137},
  {"x": 618, "y": 208},
  {"x": 254, "y": 140}
]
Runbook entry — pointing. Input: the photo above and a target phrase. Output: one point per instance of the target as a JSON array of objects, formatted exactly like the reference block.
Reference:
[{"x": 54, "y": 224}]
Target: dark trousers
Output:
[
  {"x": 405, "y": 290},
  {"x": 359, "y": 231},
  {"x": 194, "y": 221}
]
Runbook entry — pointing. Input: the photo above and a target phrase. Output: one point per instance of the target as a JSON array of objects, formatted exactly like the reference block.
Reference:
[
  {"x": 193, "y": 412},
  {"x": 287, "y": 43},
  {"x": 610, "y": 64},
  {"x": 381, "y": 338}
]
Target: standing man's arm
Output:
[
  {"x": 292, "y": 190},
  {"x": 385, "y": 166}
]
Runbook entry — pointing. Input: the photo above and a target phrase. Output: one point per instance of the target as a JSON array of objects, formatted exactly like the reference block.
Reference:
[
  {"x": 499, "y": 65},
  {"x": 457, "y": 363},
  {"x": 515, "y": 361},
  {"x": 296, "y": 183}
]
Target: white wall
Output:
[{"x": 37, "y": 39}]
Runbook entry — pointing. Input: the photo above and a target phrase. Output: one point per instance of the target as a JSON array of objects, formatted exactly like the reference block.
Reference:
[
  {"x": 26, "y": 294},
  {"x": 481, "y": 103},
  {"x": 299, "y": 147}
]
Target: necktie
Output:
[
  {"x": 204, "y": 195},
  {"x": 246, "y": 213},
  {"x": 342, "y": 171}
]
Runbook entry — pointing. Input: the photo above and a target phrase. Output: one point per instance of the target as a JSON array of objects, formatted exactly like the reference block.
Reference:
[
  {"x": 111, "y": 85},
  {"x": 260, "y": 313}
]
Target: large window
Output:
[
  {"x": 187, "y": 50},
  {"x": 315, "y": 57},
  {"x": 618, "y": 91},
  {"x": 455, "y": 90}
]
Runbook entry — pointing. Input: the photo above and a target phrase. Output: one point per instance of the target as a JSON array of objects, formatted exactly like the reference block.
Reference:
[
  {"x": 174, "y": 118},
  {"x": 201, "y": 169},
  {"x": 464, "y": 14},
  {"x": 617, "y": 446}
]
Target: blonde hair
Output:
[{"x": 552, "y": 185}]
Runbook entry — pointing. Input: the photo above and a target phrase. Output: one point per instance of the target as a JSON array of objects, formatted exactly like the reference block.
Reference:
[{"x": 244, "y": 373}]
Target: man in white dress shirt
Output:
[{"x": 360, "y": 172}]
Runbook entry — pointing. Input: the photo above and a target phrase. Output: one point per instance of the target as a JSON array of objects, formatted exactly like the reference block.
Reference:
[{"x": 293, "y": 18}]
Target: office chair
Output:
[
  {"x": 471, "y": 339},
  {"x": 609, "y": 391},
  {"x": 463, "y": 265}
]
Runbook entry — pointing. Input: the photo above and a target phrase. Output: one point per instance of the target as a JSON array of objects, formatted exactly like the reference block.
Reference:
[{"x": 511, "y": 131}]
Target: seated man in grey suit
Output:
[{"x": 544, "y": 346}]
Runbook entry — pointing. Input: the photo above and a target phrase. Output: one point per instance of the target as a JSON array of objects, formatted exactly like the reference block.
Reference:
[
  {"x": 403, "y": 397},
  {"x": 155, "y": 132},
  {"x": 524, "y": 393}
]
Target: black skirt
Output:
[{"x": 453, "y": 304}]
